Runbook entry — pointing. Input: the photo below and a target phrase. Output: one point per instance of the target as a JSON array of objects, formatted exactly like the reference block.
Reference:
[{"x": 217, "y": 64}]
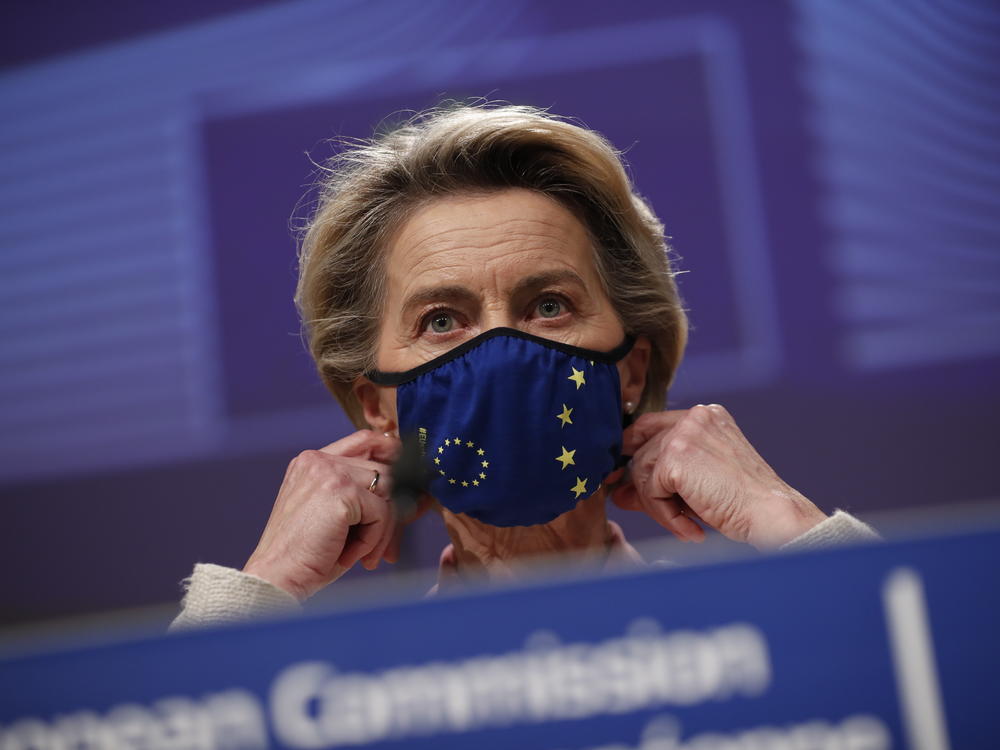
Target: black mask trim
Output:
[{"x": 398, "y": 378}]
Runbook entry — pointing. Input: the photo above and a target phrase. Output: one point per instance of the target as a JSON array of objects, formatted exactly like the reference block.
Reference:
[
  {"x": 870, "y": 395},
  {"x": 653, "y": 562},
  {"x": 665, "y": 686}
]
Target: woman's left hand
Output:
[{"x": 697, "y": 462}]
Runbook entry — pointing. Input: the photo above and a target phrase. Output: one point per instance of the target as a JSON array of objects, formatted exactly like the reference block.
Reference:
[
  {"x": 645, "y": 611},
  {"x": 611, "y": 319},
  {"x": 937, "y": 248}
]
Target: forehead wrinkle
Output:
[
  {"x": 452, "y": 262},
  {"x": 436, "y": 242},
  {"x": 500, "y": 234},
  {"x": 478, "y": 214},
  {"x": 517, "y": 212}
]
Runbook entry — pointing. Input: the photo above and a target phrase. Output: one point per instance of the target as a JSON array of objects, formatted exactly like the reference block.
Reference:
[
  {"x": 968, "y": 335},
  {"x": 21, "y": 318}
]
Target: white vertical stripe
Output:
[{"x": 913, "y": 659}]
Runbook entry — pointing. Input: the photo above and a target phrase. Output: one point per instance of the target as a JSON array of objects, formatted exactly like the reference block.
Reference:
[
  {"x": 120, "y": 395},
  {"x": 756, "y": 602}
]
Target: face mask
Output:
[{"x": 514, "y": 429}]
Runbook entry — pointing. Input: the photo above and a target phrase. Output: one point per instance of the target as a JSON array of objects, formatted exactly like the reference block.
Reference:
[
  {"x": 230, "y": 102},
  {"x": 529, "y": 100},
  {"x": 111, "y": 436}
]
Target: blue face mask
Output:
[{"x": 514, "y": 429}]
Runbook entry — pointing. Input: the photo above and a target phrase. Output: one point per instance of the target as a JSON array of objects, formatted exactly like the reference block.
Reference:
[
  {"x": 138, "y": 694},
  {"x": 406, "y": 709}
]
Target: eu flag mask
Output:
[{"x": 515, "y": 429}]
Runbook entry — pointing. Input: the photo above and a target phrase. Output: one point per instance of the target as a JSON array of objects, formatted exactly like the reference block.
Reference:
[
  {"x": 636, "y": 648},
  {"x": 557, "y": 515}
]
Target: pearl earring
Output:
[{"x": 629, "y": 407}]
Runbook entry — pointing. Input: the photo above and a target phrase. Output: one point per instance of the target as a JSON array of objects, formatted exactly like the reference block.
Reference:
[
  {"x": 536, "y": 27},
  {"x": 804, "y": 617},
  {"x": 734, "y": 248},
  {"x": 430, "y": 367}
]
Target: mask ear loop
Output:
[{"x": 628, "y": 419}]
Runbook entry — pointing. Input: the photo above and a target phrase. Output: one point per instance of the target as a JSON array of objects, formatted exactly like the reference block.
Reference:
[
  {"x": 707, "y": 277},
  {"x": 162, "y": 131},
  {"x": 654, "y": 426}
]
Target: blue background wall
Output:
[{"x": 829, "y": 173}]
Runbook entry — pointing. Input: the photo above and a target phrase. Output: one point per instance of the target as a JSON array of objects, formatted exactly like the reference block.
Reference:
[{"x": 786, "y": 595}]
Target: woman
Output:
[{"x": 487, "y": 280}]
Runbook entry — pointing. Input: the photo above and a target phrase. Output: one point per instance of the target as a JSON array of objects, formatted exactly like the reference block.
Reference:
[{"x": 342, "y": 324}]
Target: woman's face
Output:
[{"x": 462, "y": 265}]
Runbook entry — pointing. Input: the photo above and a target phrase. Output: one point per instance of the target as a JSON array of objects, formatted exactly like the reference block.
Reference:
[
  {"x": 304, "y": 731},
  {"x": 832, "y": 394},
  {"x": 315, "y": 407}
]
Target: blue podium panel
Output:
[{"x": 879, "y": 646}]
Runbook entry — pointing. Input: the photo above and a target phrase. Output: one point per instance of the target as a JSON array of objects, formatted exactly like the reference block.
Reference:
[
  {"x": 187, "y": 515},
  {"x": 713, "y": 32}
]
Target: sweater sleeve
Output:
[
  {"x": 215, "y": 595},
  {"x": 840, "y": 528}
]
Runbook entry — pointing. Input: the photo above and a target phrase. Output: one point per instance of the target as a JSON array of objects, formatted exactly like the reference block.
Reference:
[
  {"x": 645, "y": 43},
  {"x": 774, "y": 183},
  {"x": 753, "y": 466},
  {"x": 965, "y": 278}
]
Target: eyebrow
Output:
[
  {"x": 452, "y": 293},
  {"x": 457, "y": 294},
  {"x": 538, "y": 281}
]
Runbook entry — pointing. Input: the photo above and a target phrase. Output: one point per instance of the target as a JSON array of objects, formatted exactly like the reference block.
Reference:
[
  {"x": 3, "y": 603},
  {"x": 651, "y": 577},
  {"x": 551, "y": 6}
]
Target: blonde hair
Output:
[{"x": 370, "y": 188}]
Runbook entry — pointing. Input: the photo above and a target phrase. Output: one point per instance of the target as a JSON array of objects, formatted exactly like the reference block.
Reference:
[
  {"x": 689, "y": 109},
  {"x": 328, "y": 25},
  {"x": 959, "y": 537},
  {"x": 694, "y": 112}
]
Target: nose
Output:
[{"x": 497, "y": 315}]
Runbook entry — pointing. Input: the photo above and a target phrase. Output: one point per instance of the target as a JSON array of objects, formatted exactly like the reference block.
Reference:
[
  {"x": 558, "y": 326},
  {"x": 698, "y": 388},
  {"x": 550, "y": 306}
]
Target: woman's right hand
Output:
[{"x": 325, "y": 519}]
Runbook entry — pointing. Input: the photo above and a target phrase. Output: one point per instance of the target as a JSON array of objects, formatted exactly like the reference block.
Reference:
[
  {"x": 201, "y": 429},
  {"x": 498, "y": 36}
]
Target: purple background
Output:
[{"x": 829, "y": 176}]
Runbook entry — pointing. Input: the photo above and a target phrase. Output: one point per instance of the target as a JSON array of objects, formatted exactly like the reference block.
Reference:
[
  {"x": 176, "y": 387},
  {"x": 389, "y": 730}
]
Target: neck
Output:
[{"x": 498, "y": 552}]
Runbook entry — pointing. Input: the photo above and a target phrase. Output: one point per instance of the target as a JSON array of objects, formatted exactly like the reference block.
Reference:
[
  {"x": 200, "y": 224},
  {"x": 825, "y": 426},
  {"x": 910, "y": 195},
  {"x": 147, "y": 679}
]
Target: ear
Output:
[
  {"x": 632, "y": 370},
  {"x": 378, "y": 404}
]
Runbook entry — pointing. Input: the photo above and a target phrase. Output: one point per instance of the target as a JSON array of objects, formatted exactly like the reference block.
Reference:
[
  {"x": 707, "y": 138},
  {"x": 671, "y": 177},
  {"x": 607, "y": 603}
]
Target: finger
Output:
[
  {"x": 689, "y": 513},
  {"x": 395, "y": 544},
  {"x": 652, "y": 491},
  {"x": 365, "y": 536},
  {"x": 675, "y": 518},
  {"x": 366, "y": 444},
  {"x": 391, "y": 553},
  {"x": 669, "y": 513},
  {"x": 614, "y": 477},
  {"x": 690, "y": 528},
  {"x": 626, "y": 497},
  {"x": 363, "y": 473},
  {"x": 372, "y": 559},
  {"x": 647, "y": 426},
  {"x": 383, "y": 509},
  {"x": 360, "y": 541},
  {"x": 646, "y": 469},
  {"x": 448, "y": 577}
]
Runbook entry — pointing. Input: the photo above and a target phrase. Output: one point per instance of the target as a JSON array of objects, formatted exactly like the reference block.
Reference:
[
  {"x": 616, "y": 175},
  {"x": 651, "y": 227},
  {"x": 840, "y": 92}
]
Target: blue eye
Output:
[
  {"x": 550, "y": 308},
  {"x": 440, "y": 322}
]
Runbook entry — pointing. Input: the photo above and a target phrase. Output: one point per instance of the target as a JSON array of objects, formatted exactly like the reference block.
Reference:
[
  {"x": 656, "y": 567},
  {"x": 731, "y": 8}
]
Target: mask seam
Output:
[{"x": 611, "y": 357}]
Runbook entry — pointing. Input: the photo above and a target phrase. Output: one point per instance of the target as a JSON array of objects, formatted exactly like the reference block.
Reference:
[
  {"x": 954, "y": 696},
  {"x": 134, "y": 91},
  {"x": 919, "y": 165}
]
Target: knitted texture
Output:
[
  {"x": 840, "y": 528},
  {"x": 215, "y": 594}
]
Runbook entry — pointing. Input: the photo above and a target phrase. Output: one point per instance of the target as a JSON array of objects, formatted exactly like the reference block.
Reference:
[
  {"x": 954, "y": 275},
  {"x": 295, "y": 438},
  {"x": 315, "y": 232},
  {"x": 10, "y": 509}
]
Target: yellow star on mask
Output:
[
  {"x": 458, "y": 441},
  {"x": 440, "y": 449},
  {"x": 447, "y": 442},
  {"x": 475, "y": 482},
  {"x": 577, "y": 377},
  {"x": 580, "y": 488},
  {"x": 566, "y": 458},
  {"x": 480, "y": 452},
  {"x": 565, "y": 416},
  {"x": 451, "y": 481},
  {"x": 464, "y": 483},
  {"x": 469, "y": 444},
  {"x": 486, "y": 464},
  {"x": 437, "y": 460}
]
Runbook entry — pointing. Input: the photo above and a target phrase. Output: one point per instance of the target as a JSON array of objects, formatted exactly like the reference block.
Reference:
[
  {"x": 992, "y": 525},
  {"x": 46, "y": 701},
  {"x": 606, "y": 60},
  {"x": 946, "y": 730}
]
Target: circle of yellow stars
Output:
[
  {"x": 567, "y": 457},
  {"x": 457, "y": 442}
]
